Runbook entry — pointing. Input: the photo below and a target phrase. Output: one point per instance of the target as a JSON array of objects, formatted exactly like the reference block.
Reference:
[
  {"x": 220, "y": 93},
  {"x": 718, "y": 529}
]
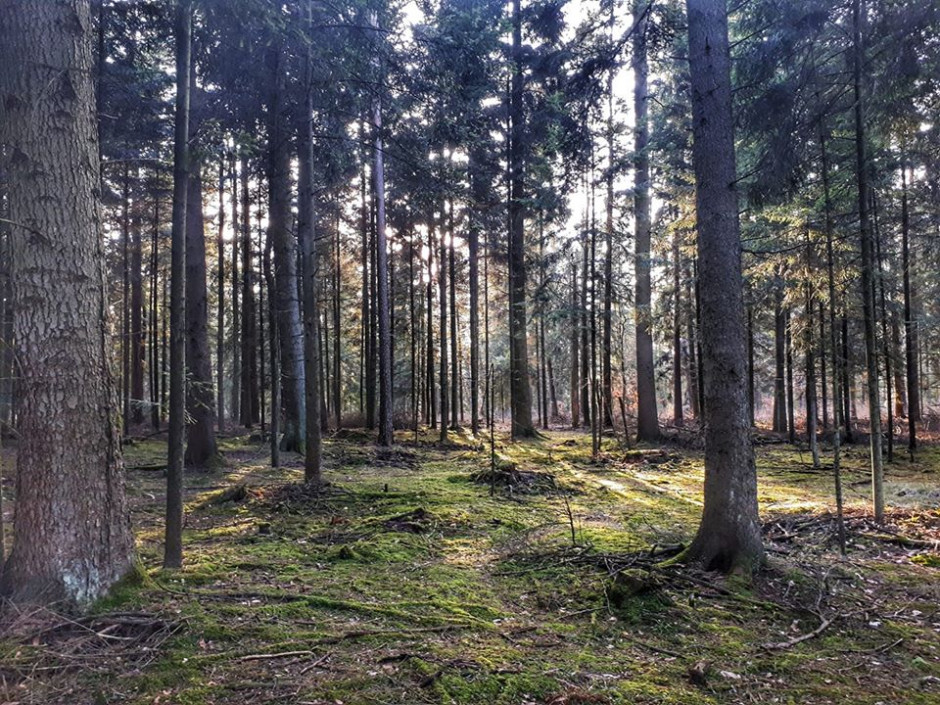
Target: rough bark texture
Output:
[
  {"x": 729, "y": 535},
  {"x": 521, "y": 392},
  {"x": 201, "y": 447},
  {"x": 647, "y": 414},
  {"x": 72, "y": 537},
  {"x": 285, "y": 295}
]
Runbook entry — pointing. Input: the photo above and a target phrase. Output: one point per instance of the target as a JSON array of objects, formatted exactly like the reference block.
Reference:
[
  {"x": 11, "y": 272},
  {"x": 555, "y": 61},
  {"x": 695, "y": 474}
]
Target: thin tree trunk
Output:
[
  {"x": 791, "y": 405},
  {"x": 780, "y": 371},
  {"x": 250, "y": 401},
  {"x": 137, "y": 340},
  {"x": 235, "y": 411},
  {"x": 868, "y": 270},
  {"x": 442, "y": 291},
  {"x": 310, "y": 265},
  {"x": 574, "y": 378},
  {"x": 910, "y": 327},
  {"x": 173, "y": 548},
  {"x": 220, "y": 306},
  {"x": 386, "y": 430},
  {"x": 647, "y": 414},
  {"x": 677, "y": 415}
]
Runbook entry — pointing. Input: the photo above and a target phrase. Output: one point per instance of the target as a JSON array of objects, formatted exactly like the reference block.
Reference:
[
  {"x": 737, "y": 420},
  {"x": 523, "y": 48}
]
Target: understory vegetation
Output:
[{"x": 443, "y": 574}]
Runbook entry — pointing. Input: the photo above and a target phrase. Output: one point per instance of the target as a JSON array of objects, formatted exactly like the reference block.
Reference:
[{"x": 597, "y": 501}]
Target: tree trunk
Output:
[
  {"x": 729, "y": 534},
  {"x": 220, "y": 306},
  {"x": 442, "y": 292},
  {"x": 72, "y": 538},
  {"x": 868, "y": 271},
  {"x": 176, "y": 437},
  {"x": 478, "y": 190},
  {"x": 454, "y": 372},
  {"x": 138, "y": 342},
  {"x": 201, "y": 448},
  {"x": 647, "y": 414},
  {"x": 574, "y": 378},
  {"x": 910, "y": 326},
  {"x": 386, "y": 430},
  {"x": 780, "y": 372},
  {"x": 521, "y": 396},
  {"x": 310, "y": 265},
  {"x": 250, "y": 402},
  {"x": 235, "y": 412},
  {"x": 284, "y": 294},
  {"x": 791, "y": 405},
  {"x": 677, "y": 415}
]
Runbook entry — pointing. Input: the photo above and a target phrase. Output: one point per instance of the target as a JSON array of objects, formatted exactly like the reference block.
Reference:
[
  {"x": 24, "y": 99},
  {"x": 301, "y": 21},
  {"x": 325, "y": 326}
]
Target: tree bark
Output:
[
  {"x": 72, "y": 538},
  {"x": 729, "y": 534},
  {"x": 386, "y": 429},
  {"x": 647, "y": 413},
  {"x": 910, "y": 326},
  {"x": 250, "y": 402},
  {"x": 173, "y": 549},
  {"x": 201, "y": 448},
  {"x": 310, "y": 266},
  {"x": 521, "y": 393},
  {"x": 285, "y": 294},
  {"x": 868, "y": 269}
]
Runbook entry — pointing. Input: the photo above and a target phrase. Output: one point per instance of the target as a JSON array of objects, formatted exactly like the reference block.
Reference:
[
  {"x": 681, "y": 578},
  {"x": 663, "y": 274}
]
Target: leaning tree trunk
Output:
[
  {"x": 647, "y": 416},
  {"x": 72, "y": 539},
  {"x": 729, "y": 535},
  {"x": 201, "y": 447}
]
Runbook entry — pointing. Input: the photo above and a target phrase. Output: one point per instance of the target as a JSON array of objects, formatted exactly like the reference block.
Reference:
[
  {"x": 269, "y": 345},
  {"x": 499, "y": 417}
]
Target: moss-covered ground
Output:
[{"x": 407, "y": 581}]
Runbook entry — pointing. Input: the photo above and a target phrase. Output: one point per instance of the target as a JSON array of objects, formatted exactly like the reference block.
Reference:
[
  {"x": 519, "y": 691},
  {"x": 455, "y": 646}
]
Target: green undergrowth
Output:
[{"x": 406, "y": 581}]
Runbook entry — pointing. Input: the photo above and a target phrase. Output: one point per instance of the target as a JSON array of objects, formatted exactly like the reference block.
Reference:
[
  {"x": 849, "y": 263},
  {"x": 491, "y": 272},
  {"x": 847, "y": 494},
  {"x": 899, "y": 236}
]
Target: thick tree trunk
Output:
[
  {"x": 729, "y": 535},
  {"x": 72, "y": 539},
  {"x": 454, "y": 360},
  {"x": 285, "y": 294},
  {"x": 201, "y": 448},
  {"x": 521, "y": 393},
  {"x": 647, "y": 412}
]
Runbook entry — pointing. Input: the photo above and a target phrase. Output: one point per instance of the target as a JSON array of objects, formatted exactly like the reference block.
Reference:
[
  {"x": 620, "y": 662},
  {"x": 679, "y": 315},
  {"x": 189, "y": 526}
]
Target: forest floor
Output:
[{"x": 407, "y": 581}]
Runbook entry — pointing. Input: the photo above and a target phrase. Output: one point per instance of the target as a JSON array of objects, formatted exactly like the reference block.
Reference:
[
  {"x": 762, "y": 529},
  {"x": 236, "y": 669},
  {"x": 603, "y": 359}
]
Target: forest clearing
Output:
[{"x": 406, "y": 581}]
